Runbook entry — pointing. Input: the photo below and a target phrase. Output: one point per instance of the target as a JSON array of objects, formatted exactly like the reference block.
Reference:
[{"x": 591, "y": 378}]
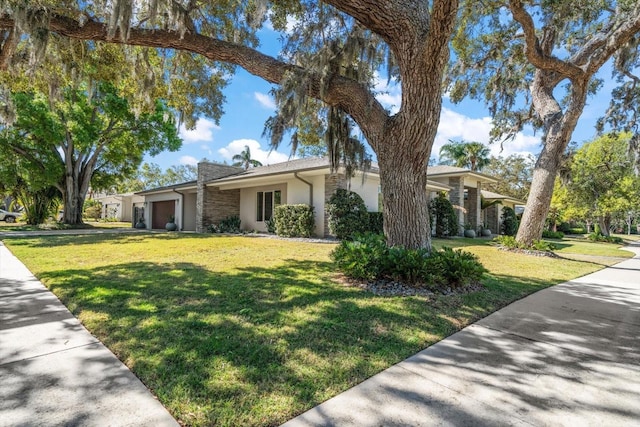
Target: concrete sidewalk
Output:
[
  {"x": 566, "y": 356},
  {"x": 53, "y": 371}
]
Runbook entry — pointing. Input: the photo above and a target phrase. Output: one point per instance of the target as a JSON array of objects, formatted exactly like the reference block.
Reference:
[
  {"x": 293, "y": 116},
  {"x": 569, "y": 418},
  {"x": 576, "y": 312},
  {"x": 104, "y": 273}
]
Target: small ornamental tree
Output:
[
  {"x": 509, "y": 225},
  {"x": 347, "y": 214},
  {"x": 444, "y": 216}
]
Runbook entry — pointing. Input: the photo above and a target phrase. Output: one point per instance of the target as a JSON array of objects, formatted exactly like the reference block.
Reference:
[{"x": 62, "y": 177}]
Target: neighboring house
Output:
[
  {"x": 222, "y": 191},
  {"x": 492, "y": 215},
  {"x": 122, "y": 207}
]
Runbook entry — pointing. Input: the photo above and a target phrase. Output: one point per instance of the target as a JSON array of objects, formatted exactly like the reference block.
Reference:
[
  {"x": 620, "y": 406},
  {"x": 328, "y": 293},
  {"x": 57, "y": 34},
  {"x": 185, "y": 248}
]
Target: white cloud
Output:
[
  {"x": 257, "y": 153},
  {"x": 206, "y": 148},
  {"x": 388, "y": 93},
  {"x": 265, "y": 100},
  {"x": 188, "y": 160},
  {"x": 456, "y": 126},
  {"x": 203, "y": 132}
]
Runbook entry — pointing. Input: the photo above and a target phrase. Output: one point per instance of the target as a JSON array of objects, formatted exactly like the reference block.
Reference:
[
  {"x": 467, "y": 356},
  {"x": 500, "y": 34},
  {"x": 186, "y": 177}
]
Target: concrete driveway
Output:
[{"x": 566, "y": 356}]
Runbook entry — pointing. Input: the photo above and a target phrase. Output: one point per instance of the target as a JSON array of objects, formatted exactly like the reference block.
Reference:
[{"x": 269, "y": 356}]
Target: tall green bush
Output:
[
  {"x": 510, "y": 224},
  {"x": 443, "y": 215},
  {"x": 294, "y": 220},
  {"x": 376, "y": 223},
  {"x": 347, "y": 214}
]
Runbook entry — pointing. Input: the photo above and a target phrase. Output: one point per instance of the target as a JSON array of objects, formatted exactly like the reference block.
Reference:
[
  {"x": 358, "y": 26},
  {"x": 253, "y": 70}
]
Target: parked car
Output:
[{"x": 7, "y": 216}]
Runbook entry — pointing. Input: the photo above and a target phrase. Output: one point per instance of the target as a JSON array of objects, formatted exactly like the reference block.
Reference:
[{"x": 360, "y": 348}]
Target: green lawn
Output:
[
  {"x": 253, "y": 331},
  {"x": 23, "y": 226}
]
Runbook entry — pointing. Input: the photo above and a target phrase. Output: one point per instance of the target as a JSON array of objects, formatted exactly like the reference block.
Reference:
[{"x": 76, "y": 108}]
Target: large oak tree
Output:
[
  {"x": 535, "y": 63},
  {"x": 87, "y": 136},
  {"x": 335, "y": 63}
]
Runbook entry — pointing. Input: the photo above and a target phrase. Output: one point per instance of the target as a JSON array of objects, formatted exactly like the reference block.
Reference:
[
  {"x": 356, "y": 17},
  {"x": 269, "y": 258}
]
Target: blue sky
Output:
[{"x": 249, "y": 105}]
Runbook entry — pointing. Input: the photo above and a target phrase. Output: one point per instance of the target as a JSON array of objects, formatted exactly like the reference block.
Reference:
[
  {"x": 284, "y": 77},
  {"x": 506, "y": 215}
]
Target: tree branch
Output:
[
  {"x": 382, "y": 17},
  {"x": 533, "y": 49},
  {"x": 349, "y": 95},
  {"x": 616, "y": 38}
]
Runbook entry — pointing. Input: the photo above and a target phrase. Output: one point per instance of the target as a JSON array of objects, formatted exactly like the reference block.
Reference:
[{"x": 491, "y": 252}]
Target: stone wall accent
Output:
[
  {"x": 456, "y": 197},
  {"x": 474, "y": 206},
  {"x": 331, "y": 183},
  {"x": 218, "y": 205},
  {"x": 205, "y": 200}
]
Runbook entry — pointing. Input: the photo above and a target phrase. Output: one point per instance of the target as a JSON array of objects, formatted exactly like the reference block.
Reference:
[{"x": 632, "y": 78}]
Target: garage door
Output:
[{"x": 161, "y": 213}]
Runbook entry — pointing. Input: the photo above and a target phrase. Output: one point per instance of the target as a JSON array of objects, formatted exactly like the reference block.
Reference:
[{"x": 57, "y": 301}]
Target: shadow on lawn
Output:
[
  {"x": 257, "y": 338},
  {"x": 258, "y": 345}
]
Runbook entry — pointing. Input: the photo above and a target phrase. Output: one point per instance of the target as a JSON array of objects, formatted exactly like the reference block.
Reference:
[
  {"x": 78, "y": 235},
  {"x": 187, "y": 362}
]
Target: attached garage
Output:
[{"x": 161, "y": 212}]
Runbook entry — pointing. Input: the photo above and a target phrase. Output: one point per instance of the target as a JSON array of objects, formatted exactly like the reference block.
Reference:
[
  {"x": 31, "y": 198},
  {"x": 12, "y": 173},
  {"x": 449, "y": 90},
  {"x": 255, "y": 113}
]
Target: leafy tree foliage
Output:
[
  {"x": 601, "y": 182},
  {"x": 151, "y": 175},
  {"x": 331, "y": 54},
  {"x": 86, "y": 136},
  {"x": 515, "y": 173},
  {"x": 535, "y": 63},
  {"x": 472, "y": 155}
]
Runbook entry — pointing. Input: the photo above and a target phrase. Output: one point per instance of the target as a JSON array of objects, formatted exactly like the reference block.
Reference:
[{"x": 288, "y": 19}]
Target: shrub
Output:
[
  {"x": 443, "y": 215},
  {"x": 271, "y": 225},
  {"x": 408, "y": 265},
  {"x": 597, "y": 237},
  {"x": 230, "y": 224},
  {"x": 552, "y": 234},
  {"x": 456, "y": 267},
  {"x": 294, "y": 220},
  {"x": 511, "y": 243},
  {"x": 510, "y": 224},
  {"x": 92, "y": 209},
  {"x": 541, "y": 245},
  {"x": 564, "y": 227},
  {"x": 367, "y": 257},
  {"x": 347, "y": 214},
  {"x": 362, "y": 258},
  {"x": 376, "y": 223},
  {"x": 577, "y": 230}
]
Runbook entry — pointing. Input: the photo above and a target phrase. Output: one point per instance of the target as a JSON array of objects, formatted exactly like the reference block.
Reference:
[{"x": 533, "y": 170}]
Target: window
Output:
[{"x": 266, "y": 202}]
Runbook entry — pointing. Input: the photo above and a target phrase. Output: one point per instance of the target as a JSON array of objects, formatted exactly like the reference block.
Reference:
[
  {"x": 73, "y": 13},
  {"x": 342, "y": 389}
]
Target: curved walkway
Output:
[{"x": 565, "y": 356}]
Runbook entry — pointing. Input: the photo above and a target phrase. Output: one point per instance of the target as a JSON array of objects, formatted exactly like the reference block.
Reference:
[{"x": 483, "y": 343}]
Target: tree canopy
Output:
[
  {"x": 600, "y": 184},
  {"x": 331, "y": 54},
  {"x": 86, "y": 137},
  {"x": 535, "y": 63}
]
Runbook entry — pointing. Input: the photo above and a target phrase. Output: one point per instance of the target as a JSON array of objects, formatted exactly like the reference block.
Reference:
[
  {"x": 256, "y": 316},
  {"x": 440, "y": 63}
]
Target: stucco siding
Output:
[{"x": 189, "y": 212}]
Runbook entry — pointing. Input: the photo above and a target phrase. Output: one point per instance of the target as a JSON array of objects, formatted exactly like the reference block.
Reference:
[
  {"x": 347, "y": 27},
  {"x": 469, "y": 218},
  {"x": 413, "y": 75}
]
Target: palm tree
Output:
[
  {"x": 244, "y": 159},
  {"x": 472, "y": 155},
  {"x": 477, "y": 155}
]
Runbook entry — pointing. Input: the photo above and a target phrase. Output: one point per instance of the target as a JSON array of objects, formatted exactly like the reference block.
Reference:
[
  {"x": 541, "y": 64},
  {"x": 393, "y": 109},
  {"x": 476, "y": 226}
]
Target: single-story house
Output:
[
  {"x": 123, "y": 207},
  {"x": 222, "y": 191}
]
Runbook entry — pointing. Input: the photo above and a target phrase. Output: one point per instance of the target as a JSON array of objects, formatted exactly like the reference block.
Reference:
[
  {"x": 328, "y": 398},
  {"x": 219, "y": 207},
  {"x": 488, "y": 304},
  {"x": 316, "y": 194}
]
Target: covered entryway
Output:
[{"x": 161, "y": 211}]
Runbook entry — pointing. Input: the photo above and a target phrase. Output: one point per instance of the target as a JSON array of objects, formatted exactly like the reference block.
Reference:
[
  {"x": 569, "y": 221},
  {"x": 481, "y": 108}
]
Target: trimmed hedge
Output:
[
  {"x": 347, "y": 214},
  {"x": 294, "y": 220},
  {"x": 367, "y": 257}
]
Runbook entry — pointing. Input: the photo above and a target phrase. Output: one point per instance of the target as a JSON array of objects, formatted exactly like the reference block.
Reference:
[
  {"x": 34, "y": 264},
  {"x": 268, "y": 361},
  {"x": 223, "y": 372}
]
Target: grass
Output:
[
  {"x": 253, "y": 331},
  {"x": 22, "y": 226}
]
